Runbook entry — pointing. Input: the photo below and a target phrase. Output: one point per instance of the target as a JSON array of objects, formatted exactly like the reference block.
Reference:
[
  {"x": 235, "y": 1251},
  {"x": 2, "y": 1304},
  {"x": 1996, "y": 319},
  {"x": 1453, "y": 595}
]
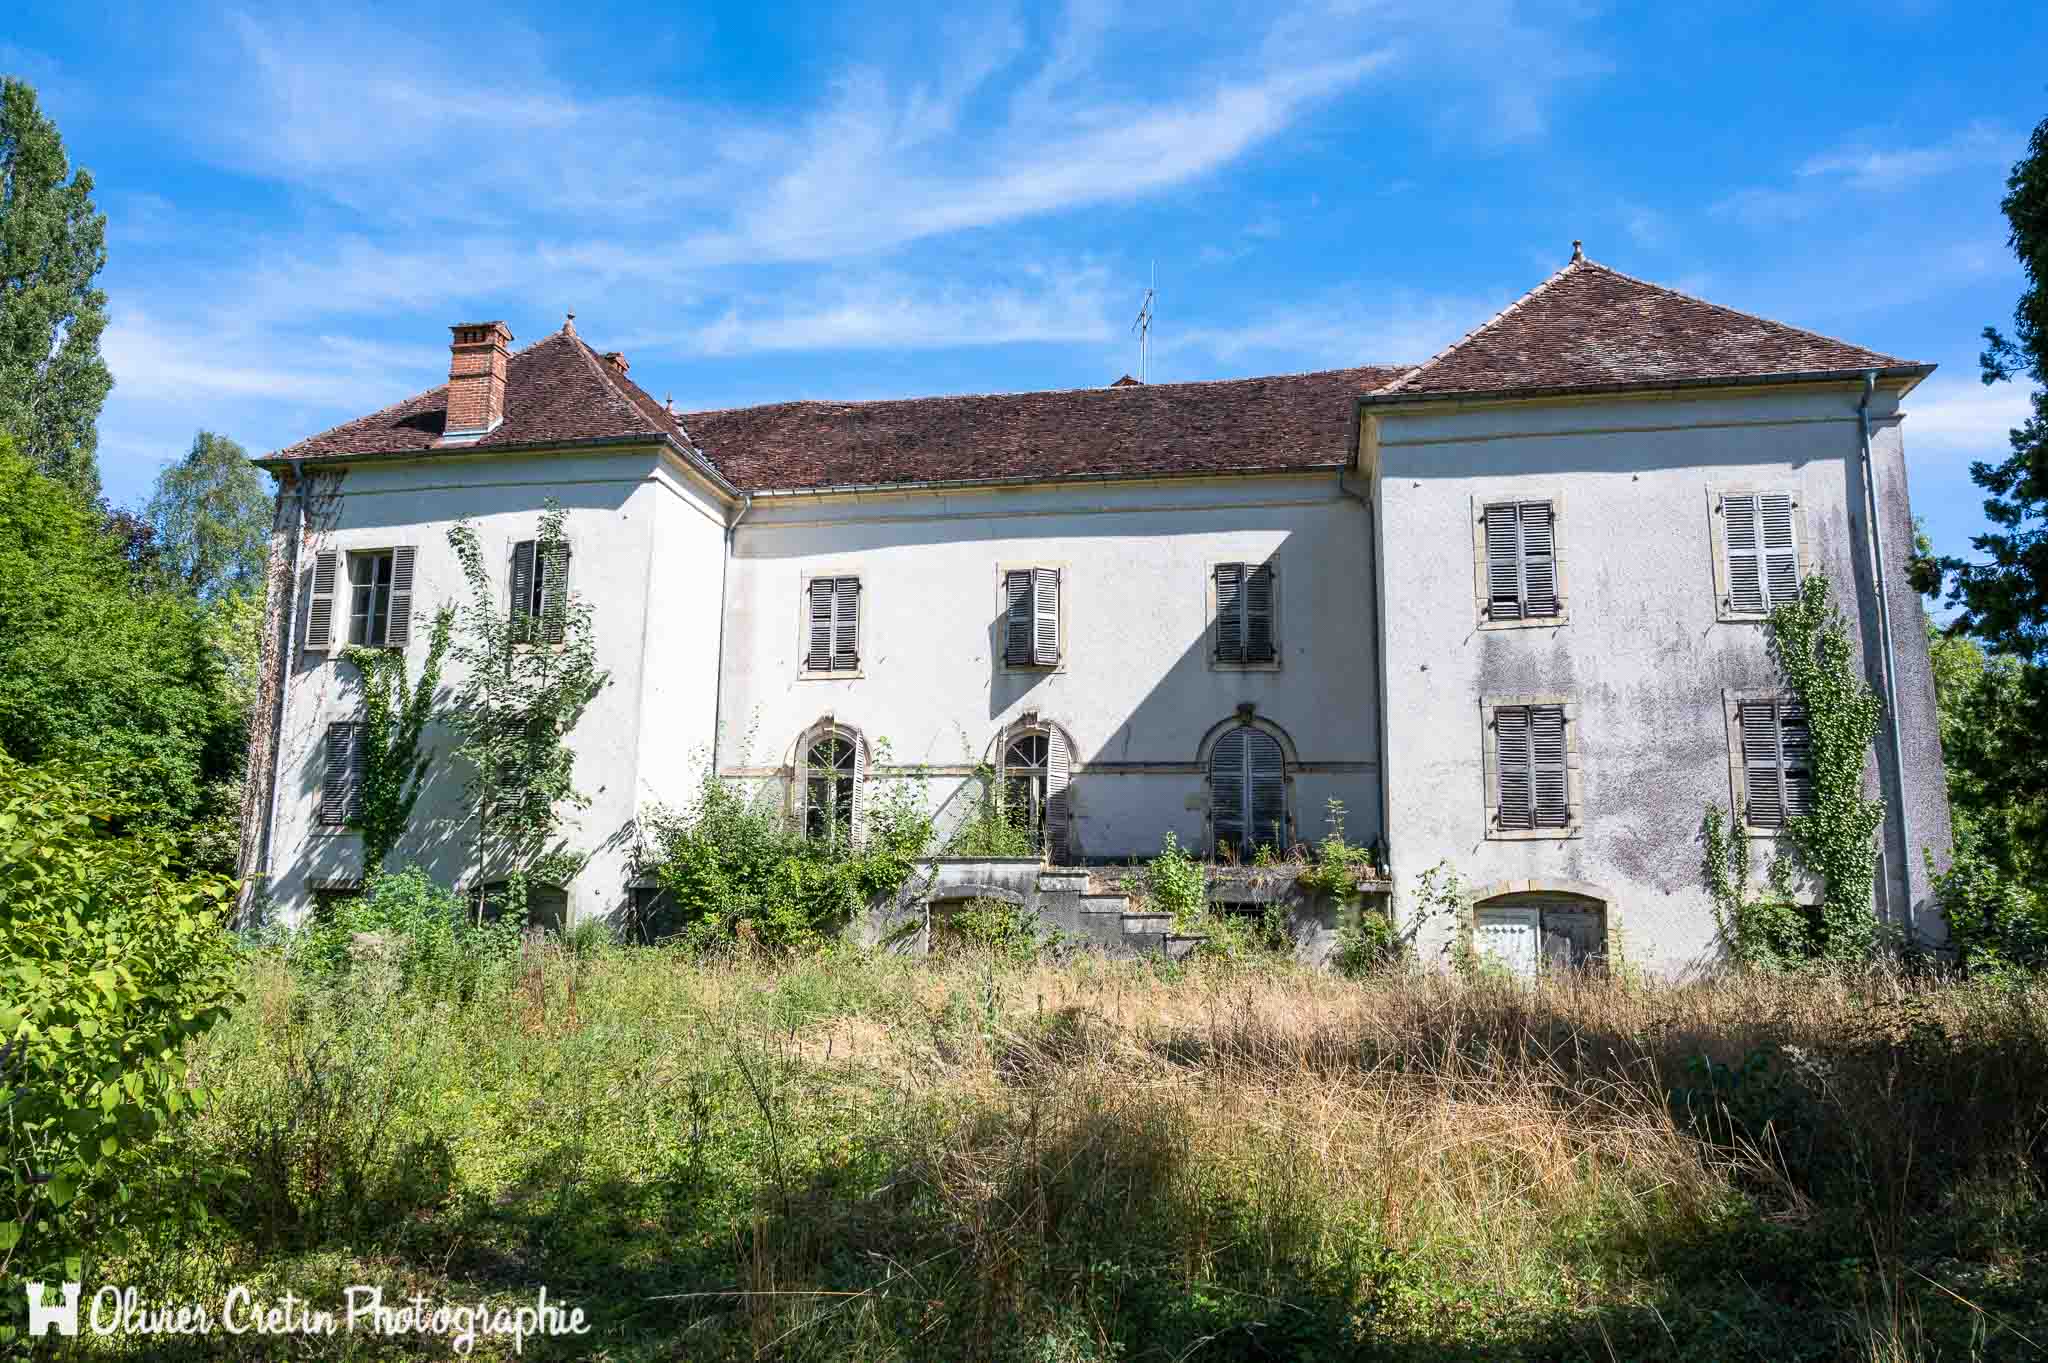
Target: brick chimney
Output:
[
  {"x": 617, "y": 362},
  {"x": 477, "y": 362}
]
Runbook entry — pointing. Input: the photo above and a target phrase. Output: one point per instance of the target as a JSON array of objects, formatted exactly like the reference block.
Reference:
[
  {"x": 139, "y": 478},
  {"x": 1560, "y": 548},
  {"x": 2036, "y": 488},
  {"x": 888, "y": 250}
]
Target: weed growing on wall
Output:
[
  {"x": 1175, "y": 883},
  {"x": 992, "y": 828},
  {"x": 395, "y": 717}
]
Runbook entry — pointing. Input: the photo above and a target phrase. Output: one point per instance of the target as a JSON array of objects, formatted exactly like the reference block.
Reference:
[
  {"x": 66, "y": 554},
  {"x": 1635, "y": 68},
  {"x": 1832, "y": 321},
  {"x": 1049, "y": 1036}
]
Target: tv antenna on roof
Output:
[{"x": 1143, "y": 326}]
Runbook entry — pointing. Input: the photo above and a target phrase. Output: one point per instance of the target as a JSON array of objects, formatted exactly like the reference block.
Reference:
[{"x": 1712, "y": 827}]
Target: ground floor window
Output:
[{"x": 1530, "y": 934}]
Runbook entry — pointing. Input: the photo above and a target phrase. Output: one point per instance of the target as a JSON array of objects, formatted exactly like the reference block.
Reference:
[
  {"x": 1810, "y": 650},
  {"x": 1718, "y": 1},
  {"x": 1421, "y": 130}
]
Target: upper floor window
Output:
[
  {"x": 832, "y": 640},
  {"x": 540, "y": 580},
  {"x": 1246, "y": 608},
  {"x": 1518, "y": 550},
  {"x": 1031, "y": 617},
  {"x": 1247, "y": 792},
  {"x": 1531, "y": 759},
  {"x": 379, "y": 601},
  {"x": 1760, "y": 551}
]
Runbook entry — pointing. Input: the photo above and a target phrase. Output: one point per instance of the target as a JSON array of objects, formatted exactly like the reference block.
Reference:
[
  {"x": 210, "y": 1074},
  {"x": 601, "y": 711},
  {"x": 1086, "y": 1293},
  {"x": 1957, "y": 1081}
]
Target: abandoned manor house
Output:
[{"x": 1508, "y": 605}]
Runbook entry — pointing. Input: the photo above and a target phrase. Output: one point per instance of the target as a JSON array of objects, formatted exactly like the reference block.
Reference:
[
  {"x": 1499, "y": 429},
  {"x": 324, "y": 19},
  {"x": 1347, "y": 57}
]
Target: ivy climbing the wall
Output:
[{"x": 395, "y": 717}]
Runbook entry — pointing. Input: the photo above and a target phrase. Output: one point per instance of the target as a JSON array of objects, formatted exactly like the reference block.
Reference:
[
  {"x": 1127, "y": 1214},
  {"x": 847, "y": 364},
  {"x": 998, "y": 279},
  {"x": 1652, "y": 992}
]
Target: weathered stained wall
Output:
[
  {"x": 1137, "y": 693},
  {"x": 1642, "y": 653},
  {"x": 625, "y": 513}
]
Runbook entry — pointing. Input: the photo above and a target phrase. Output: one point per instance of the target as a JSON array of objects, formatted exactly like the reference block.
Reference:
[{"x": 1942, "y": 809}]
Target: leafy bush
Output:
[
  {"x": 1002, "y": 931},
  {"x": 1337, "y": 864},
  {"x": 1175, "y": 883},
  {"x": 112, "y": 964},
  {"x": 992, "y": 828},
  {"x": 407, "y": 921},
  {"x": 726, "y": 861},
  {"x": 1995, "y": 924},
  {"x": 1373, "y": 943}
]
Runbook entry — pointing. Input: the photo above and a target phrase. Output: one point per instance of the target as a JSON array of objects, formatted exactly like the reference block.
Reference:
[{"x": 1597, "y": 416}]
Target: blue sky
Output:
[{"x": 760, "y": 202}]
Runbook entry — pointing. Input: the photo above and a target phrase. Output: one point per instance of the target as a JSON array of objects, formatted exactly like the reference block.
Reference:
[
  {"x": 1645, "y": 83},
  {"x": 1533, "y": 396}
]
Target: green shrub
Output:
[
  {"x": 112, "y": 963},
  {"x": 1175, "y": 883},
  {"x": 1372, "y": 944},
  {"x": 406, "y": 920},
  {"x": 992, "y": 828},
  {"x": 726, "y": 861},
  {"x": 1995, "y": 924},
  {"x": 1337, "y": 864}
]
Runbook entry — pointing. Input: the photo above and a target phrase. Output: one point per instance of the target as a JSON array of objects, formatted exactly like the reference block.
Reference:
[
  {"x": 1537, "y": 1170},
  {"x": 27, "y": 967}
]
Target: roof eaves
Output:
[
  {"x": 1387, "y": 397},
  {"x": 284, "y": 459}
]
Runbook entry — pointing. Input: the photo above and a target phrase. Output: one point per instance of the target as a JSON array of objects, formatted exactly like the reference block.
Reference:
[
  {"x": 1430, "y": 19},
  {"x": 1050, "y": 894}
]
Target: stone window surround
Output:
[
  {"x": 1002, "y": 661},
  {"x": 1478, "y": 896},
  {"x": 1574, "y": 781},
  {"x": 804, "y": 671},
  {"x": 1732, "y": 701},
  {"x": 1481, "y": 593},
  {"x": 1272, "y": 560},
  {"x": 1717, "y": 538}
]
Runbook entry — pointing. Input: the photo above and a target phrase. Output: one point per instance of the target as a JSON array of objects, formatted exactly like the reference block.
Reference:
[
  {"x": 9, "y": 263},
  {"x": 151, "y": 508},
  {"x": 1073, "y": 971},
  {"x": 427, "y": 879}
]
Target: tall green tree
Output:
[
  {"x": 211, "y": 515},
  {"x": 53, "y": 243}
]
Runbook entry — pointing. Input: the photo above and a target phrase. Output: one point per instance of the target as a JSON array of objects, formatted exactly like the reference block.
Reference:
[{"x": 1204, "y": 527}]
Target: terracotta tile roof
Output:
[
  {"x": 557, "y": 390},
  {"x": 1288, "y": 422},
  {"x": 1588, "y": 326}
]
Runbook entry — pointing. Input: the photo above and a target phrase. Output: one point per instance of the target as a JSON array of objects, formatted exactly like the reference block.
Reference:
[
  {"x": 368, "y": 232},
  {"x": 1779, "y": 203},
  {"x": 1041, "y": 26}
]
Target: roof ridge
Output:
[
  {"x": 1753, "y": 316},
  {"x": 1398, "y": 384},
  {"x": 601, "y": 369}
]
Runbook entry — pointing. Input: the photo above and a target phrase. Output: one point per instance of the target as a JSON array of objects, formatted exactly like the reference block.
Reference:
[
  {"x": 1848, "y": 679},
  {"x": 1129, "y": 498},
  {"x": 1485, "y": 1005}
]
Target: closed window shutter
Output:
[
  {"x": 1230, "y": 612},
  {"x": 859, "y": 820},
  {"x": 1795, "y": 746},
  {"x": 818, "y": 655},
  {"x": 1512, "y": 766},
  {"x": 320, "y": 611},
  {"x": 1780, "y": 554},
  {"x": 1226, "y": 790},
  {"x": 1259, "y": 645},
  {"x": 398, "y": 632},
  {"x": 1059, "y": 774},
  {"x": 1548, "y": 766},
  {"x": 846, "y": 624},
  {"x": 551, "y": 561},
  {"x": 1539, "y": 560},
  {"x": 355, "y": 772},
  {"x": 1266, "y": 775},
  {"x": 340, "y": 773},
  {"x": 1503, "y": 563},
  {"x": 1017, "y": 618},
  {"x": 1745, "y": 573},
  {"x": 1045, "y": 645},
  {"x": 522, "y": 590},
  {"x": 1763, "y": 792}
]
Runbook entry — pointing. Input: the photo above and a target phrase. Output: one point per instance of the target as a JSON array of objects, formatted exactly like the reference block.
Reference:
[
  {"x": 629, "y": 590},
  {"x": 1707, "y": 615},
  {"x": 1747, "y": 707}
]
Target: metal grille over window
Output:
[
  {"x": 1521, "y": 561},
  {"x": 831, "y": 777},
  {"x": 1531, "y": 766},
  {"x": 1763, "y": 553},
  {"x": 833, "y": 639},
  {"x": 1244, "y": 613},
  {"x": 1248, "y": 791},
  {"x": 1777, "y": 763},
  {"x": 1031, "y": 617}
]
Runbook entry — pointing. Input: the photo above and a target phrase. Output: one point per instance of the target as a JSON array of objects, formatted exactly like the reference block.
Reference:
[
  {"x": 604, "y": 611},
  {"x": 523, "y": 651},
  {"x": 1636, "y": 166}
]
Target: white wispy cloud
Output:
[
  {"x": 1961, "y": 416},
  {"x": 1392, "y": 328},
  {"x": 1869, "y": 166}
]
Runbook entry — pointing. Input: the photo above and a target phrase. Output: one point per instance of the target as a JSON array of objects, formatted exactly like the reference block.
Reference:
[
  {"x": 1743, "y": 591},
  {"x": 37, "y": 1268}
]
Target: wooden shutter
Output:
[
  {"x": 858, "y": 820},
  {"x": 1763, "y": 792},
  {"x": 551, "y": 561},
  {"x": 1230, "y": 612},
  {"x": 1511, "y": 936},
  {"x": 801, "y": 805},
  {"x": 1503, "y": 562},
  {"x": 1259, "y": 644},
  {"x": 320, "y": 610},
  {"x": 398, "y": 629},
  {"x": 1059, "y": 822},
  {"x": 1780, "y": 554},
  {"x": 1226, "y": 791},
  {"x": 1739, "y": 535},
  {"x": 1266, "y": 776},
  {"x": 846, "y": 623},
  {"x": 341, "y": 773},
  {"x": 1795, "y": 752},
  {"x": 1017, "y": 618},
  {"x": 1548, "y": 766},
  {"x": 818, "y": 654},
  {"x": 1045, "y": 642},
  {"x": 1539, "y": 560},
  {"x": 523, "y": 556},
  {"x": 1512, "y": 766}
]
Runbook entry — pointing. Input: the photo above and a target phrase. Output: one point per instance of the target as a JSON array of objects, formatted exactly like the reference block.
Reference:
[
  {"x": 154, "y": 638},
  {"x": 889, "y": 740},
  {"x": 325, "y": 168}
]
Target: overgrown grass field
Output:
[{"x": 857, "y": 1157}]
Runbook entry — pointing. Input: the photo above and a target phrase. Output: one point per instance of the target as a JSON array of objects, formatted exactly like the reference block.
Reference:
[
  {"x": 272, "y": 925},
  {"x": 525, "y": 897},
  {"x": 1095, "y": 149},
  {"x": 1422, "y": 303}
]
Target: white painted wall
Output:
[
  {"x": 1136, "y": 693},
  {"x": 626, "y": 513},
  {"x": 1643, "y": 652}
]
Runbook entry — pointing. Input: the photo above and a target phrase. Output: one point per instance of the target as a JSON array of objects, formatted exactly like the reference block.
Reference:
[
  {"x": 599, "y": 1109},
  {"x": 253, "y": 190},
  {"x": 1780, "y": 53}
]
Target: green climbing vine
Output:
[
  {"x": 1836, "y": 840},
  {"x": 395, "y": 713}
]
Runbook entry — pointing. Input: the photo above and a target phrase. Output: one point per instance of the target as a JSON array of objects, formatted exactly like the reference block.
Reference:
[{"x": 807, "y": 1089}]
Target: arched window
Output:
[
  {"x": 833, "y": 765},
  {"x": 1034, "y": 765},
  {"x": 1247, "y": 792}
]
